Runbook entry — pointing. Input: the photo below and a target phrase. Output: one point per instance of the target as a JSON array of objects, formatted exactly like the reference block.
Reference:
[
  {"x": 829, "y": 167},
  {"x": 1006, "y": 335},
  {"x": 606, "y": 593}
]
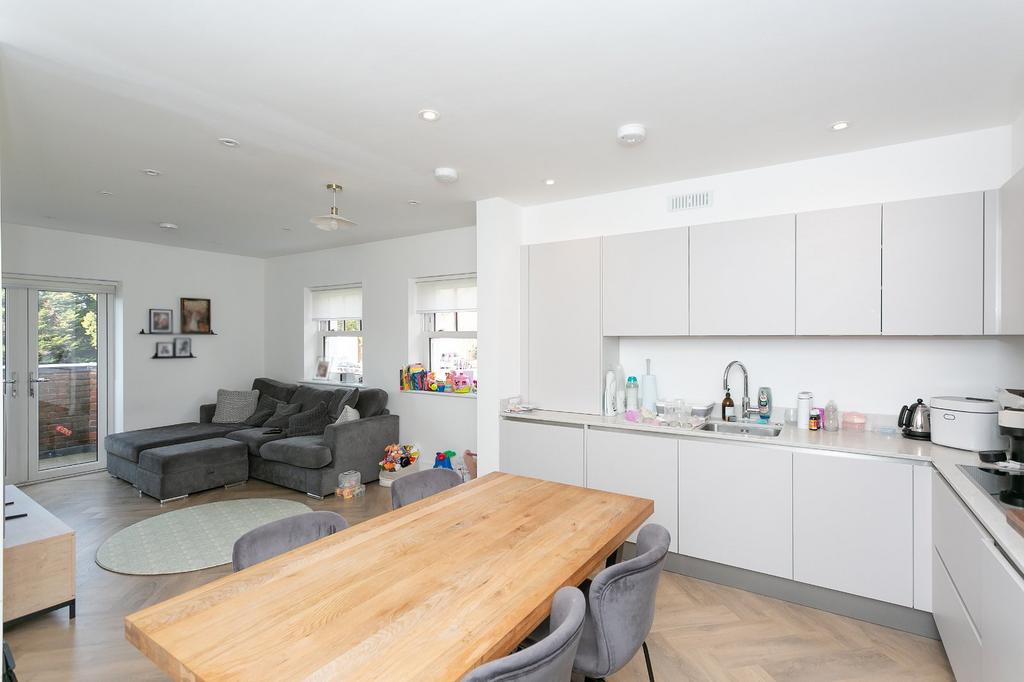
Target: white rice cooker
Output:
[{"x": 967, "y": 423}]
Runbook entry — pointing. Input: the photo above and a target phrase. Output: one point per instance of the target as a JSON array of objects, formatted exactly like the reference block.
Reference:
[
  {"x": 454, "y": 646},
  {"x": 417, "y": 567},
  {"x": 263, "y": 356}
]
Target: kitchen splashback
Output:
[{"x": 872, "y": 374}]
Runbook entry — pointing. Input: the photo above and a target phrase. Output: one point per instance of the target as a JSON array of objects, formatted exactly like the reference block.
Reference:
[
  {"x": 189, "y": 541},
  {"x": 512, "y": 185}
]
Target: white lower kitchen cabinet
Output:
[
  {"x": 1001, "y": 621},
  {"x": 735, "y": 505},
  {"x": 923, "y": 537},
  {"x": 552, "y": 452},
  {"x": 853, "y": 525},
  {"x": 638, "y": 465},
  {"x": 959, "y": 636}
]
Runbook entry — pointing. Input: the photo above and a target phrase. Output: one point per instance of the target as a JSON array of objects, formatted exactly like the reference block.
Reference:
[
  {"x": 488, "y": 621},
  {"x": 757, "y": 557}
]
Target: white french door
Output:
[{"x": 56, "y": 376}]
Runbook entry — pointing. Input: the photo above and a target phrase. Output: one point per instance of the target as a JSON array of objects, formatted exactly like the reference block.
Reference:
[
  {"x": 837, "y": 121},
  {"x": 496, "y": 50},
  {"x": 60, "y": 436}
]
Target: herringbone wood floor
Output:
[{"x": 702, "y": 631}]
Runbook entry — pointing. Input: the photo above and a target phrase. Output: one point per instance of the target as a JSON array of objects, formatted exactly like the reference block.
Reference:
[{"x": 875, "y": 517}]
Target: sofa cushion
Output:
[
  {"x": 278, "y": 390},
  {"x": 348, "y": 414},
  {"x": 309, "y": 397},
  {"x": 234, "y": 407},
  {"x": 371, "y": 402},
  {"x": 306, "y": 452},
  {"x": 282, "y": 414},
  {"x": 309, "y": 423},
  {"x": 342, "y": 398},
  {"x": 254, "y": 439},
  {"x": 211, "y": 453},
  {"x": 265, "y": 409},
  {"x": 129, "y": 444}
]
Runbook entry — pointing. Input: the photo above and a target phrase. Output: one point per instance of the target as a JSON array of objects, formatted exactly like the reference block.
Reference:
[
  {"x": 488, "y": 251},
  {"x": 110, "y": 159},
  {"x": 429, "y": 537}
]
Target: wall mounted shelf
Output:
[
  {"x": 173, "y": 357},
  {"x": 144, "y": 332}
]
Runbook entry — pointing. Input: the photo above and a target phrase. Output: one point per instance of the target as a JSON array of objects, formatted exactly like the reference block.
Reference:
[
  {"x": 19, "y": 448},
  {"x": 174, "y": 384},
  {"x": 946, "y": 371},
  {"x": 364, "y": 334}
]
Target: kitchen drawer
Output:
[
  {"x": 960, "y": 542},
  {"x": 551, "y": 452},
  {"x": 1001, "y": 621},
  {"x": 959, "y": 635}
]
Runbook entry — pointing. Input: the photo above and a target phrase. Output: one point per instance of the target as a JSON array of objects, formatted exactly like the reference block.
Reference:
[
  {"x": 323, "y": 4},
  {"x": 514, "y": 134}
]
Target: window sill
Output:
[
  {"x": 440, "y": 394},
  {"x": 324, "y": 382}
]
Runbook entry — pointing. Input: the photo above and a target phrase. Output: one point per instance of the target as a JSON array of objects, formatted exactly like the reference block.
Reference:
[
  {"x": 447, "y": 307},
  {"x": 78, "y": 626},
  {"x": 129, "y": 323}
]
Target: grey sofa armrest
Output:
[
  {"x": 360, "y": 444},
  {"x": 206, "y": 413}
]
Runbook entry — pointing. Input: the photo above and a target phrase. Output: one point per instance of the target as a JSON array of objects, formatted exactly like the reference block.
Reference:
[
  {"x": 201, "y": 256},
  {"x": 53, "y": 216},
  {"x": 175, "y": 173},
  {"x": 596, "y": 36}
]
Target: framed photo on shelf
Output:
[
  {"x": 322, "y": 368},
  {"x": 164, "y": 349},
  {"x": 161, "y": 321},
  {"x": 182, "y": 347},
  {"x": 195, "y": 316}
]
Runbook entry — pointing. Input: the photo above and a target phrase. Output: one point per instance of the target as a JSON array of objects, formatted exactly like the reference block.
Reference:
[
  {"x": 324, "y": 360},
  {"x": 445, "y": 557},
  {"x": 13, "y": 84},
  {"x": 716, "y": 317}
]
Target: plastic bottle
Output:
[
  {"x": 831, "y": 416},
  {"x": 632, "y": 394}
]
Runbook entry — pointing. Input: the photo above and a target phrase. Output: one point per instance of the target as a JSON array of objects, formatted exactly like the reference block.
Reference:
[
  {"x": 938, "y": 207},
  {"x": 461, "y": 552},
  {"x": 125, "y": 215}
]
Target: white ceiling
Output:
[{"x": 321, "y": 91}]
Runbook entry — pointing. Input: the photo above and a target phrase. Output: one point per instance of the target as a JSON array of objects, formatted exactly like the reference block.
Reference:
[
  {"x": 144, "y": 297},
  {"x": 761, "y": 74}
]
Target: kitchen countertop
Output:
[{"x": 945, "y": 460}]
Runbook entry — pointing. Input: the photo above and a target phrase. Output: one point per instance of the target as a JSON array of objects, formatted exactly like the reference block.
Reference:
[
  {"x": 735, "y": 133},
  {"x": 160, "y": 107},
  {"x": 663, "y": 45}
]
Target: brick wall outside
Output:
[{"x": 67, "y": 406}]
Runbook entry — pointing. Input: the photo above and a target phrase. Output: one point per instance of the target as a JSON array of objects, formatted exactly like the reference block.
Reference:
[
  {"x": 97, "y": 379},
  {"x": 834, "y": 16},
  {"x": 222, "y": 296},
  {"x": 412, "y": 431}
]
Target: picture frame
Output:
[
  {"x": 182, "y": 347},
  {"x": 323, "y": 366},
  {"x": 164, "y": 349},
  {"x": 195, "y": 316},
  {"x": 161, "y": 321}
]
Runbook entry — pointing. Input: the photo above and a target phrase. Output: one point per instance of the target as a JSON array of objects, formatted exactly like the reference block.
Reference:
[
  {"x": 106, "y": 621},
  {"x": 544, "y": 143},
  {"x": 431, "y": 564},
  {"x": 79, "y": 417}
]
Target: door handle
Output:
[
  {"x": 13, "y": 383},
  {"x": 32, "y": 381}
]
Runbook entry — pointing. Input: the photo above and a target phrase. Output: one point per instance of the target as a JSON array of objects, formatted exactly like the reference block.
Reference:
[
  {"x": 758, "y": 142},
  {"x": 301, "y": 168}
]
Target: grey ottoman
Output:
[{"x": 175, "y": 471}]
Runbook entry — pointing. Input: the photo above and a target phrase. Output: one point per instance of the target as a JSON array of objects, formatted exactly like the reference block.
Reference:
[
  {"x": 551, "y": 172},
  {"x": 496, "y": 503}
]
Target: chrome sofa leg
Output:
[
  {"x": 171, "y": 499},
  {"x": 315, "y": 497},
  {"x": 234, "y": 485}
]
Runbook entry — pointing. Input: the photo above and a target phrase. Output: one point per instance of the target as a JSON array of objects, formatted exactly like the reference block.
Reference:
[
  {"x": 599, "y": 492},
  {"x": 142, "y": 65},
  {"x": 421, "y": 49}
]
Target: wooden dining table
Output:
[{"x": 427, "y": 592}]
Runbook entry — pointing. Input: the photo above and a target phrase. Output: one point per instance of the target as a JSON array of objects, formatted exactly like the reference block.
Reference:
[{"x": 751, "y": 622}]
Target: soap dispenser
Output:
[{"x": 728, "y": 408}]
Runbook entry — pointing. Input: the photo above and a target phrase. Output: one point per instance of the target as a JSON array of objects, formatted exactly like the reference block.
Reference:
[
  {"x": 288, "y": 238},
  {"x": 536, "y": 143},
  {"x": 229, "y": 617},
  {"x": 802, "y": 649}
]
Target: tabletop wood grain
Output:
[{"x": 427, "y": 592}]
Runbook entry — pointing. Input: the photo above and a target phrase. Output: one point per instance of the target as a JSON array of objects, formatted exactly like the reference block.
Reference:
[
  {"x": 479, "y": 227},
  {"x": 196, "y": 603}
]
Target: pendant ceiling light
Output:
[{"x": 333, "y": 220}]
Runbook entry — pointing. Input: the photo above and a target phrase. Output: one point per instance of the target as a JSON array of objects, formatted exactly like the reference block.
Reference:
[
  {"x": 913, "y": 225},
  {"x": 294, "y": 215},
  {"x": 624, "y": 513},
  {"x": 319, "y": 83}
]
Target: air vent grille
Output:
[{"x": 685, "y": 202}]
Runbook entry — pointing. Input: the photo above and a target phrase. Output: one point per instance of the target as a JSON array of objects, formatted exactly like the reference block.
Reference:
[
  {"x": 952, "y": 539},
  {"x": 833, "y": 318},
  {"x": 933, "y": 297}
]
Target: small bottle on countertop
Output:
[
  {"x": 728, "y": 408},
  {"x": 764, "y": 403},
  {"x": 632, "y": 394},
  {"x": 814, "y": 421}
]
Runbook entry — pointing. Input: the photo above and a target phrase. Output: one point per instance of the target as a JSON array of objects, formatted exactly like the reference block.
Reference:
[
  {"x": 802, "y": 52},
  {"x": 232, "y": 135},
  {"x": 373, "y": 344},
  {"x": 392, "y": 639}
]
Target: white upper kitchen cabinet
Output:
[
  {"x": 839, "y": 271},
  {"x": 736, "y": 505},
  {"x": 552, "y": 452},
  {"x": 646, "y": 283},
  {"x": 853, "y": 525},
  {"x": 1003, "y": 271},
  {"x": 564, "y": 326},
  {"x": 933, "y": 265},
  {"x": 639, "y": 465},
  {"x": 742, "y": 277}
]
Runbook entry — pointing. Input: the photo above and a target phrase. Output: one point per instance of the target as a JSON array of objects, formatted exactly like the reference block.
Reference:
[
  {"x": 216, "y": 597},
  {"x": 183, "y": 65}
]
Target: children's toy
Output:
[
  {"x": 397, "y": 457},
  {"x": 443, "y": 460}
]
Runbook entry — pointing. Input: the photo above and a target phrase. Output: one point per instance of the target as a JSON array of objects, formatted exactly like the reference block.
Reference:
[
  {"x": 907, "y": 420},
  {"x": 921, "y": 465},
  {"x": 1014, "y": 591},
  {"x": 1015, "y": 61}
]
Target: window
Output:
[
  {"x": 447, "y": 306},
  {"x": 338, "y": 315}
]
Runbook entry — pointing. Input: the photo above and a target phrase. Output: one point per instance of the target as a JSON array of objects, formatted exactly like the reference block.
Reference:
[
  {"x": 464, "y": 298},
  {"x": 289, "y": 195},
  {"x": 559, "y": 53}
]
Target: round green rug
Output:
[{"x": 189, "y": 539}]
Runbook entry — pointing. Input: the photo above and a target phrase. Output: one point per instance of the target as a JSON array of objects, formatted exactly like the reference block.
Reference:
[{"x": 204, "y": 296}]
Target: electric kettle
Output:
[{"x": 916, "y": 421}]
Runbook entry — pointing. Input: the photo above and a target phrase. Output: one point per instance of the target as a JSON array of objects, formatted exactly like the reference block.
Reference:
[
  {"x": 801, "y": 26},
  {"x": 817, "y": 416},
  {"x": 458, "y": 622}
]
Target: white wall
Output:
[
  {"x": 385, "y": 269},
  {"x": 967, "y": 162},
  {"x": 874, "y": 375},
  {"x": 157, "y": 392},
  {"x": 499, "y": 225}
]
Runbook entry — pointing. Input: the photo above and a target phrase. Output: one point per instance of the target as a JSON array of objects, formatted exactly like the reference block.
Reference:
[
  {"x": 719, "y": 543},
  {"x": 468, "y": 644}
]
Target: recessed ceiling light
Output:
[
  {"x": 413, "y": 202},
  {"x": 549, "y": 181},
  {"x": 840, "y": 125},
  {"x": 228, "y": 141},
  {"x": 446, "y": 175},
  {"x": 429, "y": 114},
  {"x": 167, "y": 226},
  {"x": 151, "y": 172},
  {"x": 105, "y": 193},
  {"x": 632, "y": 133}
]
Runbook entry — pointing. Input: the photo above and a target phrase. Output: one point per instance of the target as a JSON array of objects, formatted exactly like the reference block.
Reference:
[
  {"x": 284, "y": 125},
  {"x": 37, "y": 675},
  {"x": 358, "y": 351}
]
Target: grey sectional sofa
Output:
[{"x": 162, "y": 463}]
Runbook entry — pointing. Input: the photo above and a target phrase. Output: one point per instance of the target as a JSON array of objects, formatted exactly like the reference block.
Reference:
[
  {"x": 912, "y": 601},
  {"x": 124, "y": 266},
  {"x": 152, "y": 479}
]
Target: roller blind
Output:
[
  {"x": 342, "y": 303},
  {"x": 445, "y": 295}
]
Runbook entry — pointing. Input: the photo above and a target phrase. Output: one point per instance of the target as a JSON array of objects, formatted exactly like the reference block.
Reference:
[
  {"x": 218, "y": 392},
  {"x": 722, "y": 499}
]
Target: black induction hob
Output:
[{"x": 1005, "y": 487}]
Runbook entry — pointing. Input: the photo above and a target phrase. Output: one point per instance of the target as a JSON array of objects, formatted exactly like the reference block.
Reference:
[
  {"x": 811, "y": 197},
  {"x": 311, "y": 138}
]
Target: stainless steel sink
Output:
[{"x": 743, "y": 429}]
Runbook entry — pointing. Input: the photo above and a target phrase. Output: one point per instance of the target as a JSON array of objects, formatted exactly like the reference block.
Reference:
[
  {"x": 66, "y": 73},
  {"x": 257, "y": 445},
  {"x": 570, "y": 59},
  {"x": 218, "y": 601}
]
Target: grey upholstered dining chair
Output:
[
  {"x": 620, "y": 608},
  {"x": 279, "y": 536},
  {"x": 413, "y": 487},
  {"x": 551, "y": 658}
]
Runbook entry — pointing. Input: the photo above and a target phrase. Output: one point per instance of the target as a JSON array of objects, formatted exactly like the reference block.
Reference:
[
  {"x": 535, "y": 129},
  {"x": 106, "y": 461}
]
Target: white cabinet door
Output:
[
  {"x": 638, "y": 465},
  {"x": 932, "y": 265},
  {"x": 1007, "y": 273},
  {"x": 923, "y": 537},
  {"x": 552, "y": 452},
  {"x": 839, "y": 271},
  {"x": 646, "y": 283},
  {"x": 735, "y": 505},
  {"x": 1001, "y": 621},
  {"x": 742, "y": 277},
  {"x": 564, "y": 328},
  {"x": 959, "y": 636},
  {"x": 853, "y": 525}
]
